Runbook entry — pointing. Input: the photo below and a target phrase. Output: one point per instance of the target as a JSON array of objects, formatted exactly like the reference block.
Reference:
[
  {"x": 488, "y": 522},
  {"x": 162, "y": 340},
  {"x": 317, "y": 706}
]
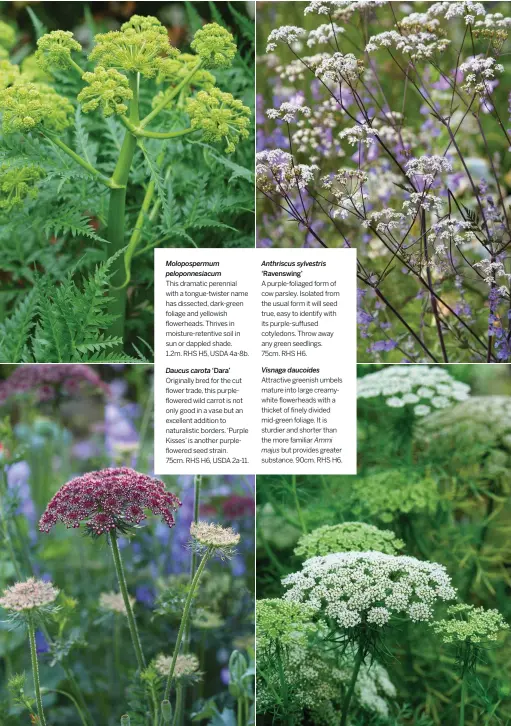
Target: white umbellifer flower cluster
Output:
[
  {"x": 493, "y": 21},
  {"x": 480, "y": 72},
  {"x": 386, "y": 220},
  {"x": 187, "y": 664},
  {"x": 417, "y": 45},
  {"x": 425, "y": 387},
  {"x": 427, "y": 202},
  {"x": 214, "y": 535},
  {"x": 296, "y": 70},
  {"x": 286, "y": 34},
  {"x": 288, "y": 112},
  {"x": 275, "y": 172},
  {"x": 428, "y": 167},
  {"x": 362, "y": 133},
  {"x": 339, "y": 68},
  {"x": 324, "y": 34},
  {"x": 341, "y": 8},
  {"x": 356, "y": 587},
  {"x": 492, "y": 272},
  {"x": 29, "y": 595},
  {"x": 449, "y": 231},
  {"x": 451, "y": 10}
]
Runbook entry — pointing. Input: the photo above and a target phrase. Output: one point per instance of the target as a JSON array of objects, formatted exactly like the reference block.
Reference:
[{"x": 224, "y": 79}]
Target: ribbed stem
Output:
[
  {"x": 116, "y": 217},
  {"x": 463, "y": 700},
  {"x": 35, "y": 670},
  {"x": 184, "y": 618},
  {"x": 125, "y": 596}
]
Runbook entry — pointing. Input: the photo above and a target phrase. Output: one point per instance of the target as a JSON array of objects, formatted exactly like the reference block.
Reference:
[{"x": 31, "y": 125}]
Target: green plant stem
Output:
[
  {"x": 169, "y": 95},
  {"x": 351, "y": 690},
  {"x": 142, "y": 133},
  {"x": 72, "y": 699},
  {"x": 240, "y": 713},
  {"x": 116, "y": 217},
  {"x": 129, "y": 610},
  {"x": 35, "y": 670},
  {"x": 197, "y": 483},
  {"x": 299, "y": 512},
  {"x": 463, "y": 700},
  {"x": 184, "y": 618},
  {"x": 179, "y": 702},
  {"x": 81, "y": 161},
  {"x": 75, "y": 65}
]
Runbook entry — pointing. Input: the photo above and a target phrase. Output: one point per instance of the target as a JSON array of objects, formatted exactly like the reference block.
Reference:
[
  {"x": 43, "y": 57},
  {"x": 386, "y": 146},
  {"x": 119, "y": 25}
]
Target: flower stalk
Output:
[{"x": 35, "y": 669}]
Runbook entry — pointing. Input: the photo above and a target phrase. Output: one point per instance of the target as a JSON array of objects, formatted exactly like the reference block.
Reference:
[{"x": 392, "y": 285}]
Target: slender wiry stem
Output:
[
  {"x": 125, "y": 596},
  {"x": 184, "y": 618},
  {"x": 35, "y": 670},
  {"x": 179, "y": 702},
  {"x": 72, "y": 699}
]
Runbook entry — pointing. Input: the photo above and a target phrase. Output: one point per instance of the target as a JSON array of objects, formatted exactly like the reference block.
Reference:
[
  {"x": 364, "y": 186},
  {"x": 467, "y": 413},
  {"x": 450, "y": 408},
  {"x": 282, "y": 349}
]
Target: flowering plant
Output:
[
  {"x": 386, "y": 129},
  {"x": 113, "y": 128}
]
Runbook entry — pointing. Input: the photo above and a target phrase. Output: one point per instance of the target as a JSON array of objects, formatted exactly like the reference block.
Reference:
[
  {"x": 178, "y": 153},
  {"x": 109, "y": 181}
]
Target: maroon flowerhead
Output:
[
  {"x": 43, "y": 381},
  {"x": 110, "y": 499}
]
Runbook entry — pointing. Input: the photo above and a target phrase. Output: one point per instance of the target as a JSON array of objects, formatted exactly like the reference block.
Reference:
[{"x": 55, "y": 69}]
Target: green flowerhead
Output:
[
  {"x": 469, "y": 624},
  {"x": 25, "y": 106},
  {"x": 9, "y": 74},
  {"x": 54, "y": 49},
  {"x": 7, "y": 36},
  {"x": 214, "y": 45},
  {"x": 220, "y": 116},
  {"x": 108, "y": 89},
  {"x": 283, "y": 622},
  {"x": 175, "y": 70},
  {"x": 348, "y": 537},
  {"x": 17, "y": 184},
  {"x": 136, "y": 48}
]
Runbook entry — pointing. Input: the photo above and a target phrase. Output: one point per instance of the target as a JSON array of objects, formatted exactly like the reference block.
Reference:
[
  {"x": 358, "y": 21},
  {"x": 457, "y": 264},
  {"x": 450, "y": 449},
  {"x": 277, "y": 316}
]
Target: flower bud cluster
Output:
[
  {"x": 214, "y": 45},
  {"x": 54, "y": 49},
  {"x": 107, "y": 89},
  {"x": 220, "y": 116},
  {"x": 347, "y": 537},
  {"x": 18, "y": 183},
  {"x": 25, "y": 106}
]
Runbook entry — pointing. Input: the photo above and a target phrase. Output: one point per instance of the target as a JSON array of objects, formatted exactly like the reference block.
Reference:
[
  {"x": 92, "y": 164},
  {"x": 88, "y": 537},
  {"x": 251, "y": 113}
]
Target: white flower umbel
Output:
[
  {"x": 352, "y": 588},
  {"x": 420, "y": 45},
  {"x": 285, "y": 35},
  {"x": 339, "y": 68},
  {"x": 362, "y": 134},
  {"x": 276, "y": 172},
  {"x": 425, "y": 387},
  {"x": 428, "y": 167},
  {"x": 479, "y": 73},
  {"x": 451, "y": 10},
  {"x": 288, "y": 112},
  {"x": 325, "y": 33}
]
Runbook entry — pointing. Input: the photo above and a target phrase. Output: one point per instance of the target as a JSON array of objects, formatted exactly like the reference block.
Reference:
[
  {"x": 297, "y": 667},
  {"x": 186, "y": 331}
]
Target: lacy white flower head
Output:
[
  {"x": 425, "y": 387},
  {"x": 114, "y": 602},
  {"x": 386, "y": 220},
  {"x": 450, "y": 231},
  {"x": 479, "y": 74},
  {"x": 186, "y": 668},
  {"x": 469, "y": 624},
  {"x": 422, "y": 201},
  {"x": 296, "y": 70},
  {"x": 493, "y": 21},
  {"x": 276, "y": 172},
  {"x": 352, "y": 588},
  {"x": 341, "y": 8},
  {"x": 347, "y": 537},
  {"x": 360, "y": 134},
  {"x": 451, "y": 10},
  {"x": 420, "y": 45},
  {"x": 325, "y": 33},
  {"x": 492, "y": 272},
  {"x": 288, "y": 112},
  {"x": 28, "y": 596},
  {"x": 286, "y": 35},
  {"x": 339, "y": 68},
  {"x": 427, "y": 167},
  {"x": 214, "y": 537}
]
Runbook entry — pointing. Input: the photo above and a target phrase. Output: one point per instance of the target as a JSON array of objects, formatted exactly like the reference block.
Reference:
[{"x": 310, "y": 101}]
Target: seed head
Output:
[
  {"x": 18, "y": 183},
  {"x": 214, "y": 45},
  {"x": 114, "y": 602},
  {"x": 187, "y": 665},
  {"x": 214, "y": 535},
  {"x": 110, "y": 499},
  {"x": 29, "y": 595}
]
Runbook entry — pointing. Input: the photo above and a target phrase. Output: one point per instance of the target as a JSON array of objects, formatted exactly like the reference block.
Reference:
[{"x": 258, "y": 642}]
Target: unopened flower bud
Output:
[
  {"x": 166, "y": 711},
  {"x": 125, "y": 720}
]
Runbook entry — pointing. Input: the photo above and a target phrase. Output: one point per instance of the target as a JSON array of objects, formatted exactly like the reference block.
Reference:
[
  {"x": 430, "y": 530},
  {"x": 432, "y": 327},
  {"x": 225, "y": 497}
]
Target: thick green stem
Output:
[
  {"x": 35, "y": 670},
  {"x": 463, "y": 700},
  {"x": 184, "y": 618},
  {"x": 129, "y": 610},
  {"x": 116, "y": 218},
  {"x": 179, "y": 703},
  {"x": 351, "y": 690}
]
